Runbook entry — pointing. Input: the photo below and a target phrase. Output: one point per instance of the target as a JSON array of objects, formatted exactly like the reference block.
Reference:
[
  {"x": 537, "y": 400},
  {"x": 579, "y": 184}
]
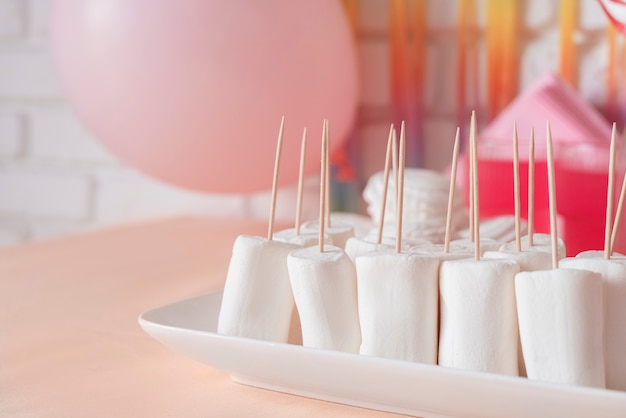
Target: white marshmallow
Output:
[
  {"x": 360, "y": 223},
  {"x": 598, "y": 254},
  {"x": 527, "y": 260},
  {"x": 389, "y": 237},
  {"x": 613, "y": 274},
  {"x": 478, "y": 329},
  {"x": 325, "y": 291},
  {"x": 398, "y": 305},
  {"x": 257, "y": 301},
  {"x": 560, "y": 320},
  {"x": 303, "y": 240},
  {"x": 486, "y": 244},
  {"x": 541, "y": 242},
  {"x": 437, "y": 250},
  {"x": 356, "y": 247},
  {"x": 338, "y": 230}
]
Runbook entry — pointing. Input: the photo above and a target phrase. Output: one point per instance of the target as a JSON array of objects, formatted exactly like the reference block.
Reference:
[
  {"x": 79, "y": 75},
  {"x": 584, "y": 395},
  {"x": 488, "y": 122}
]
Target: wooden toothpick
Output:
[
  {"x": 394, "y": 161},
  {"x": 328, "y": 191},
  {"x": 455, "y": 159},
  {"x": 323, "y": 185},
  {"x": 400, "y": 187},
  {"x": 516, "y": 188},
  {"x": 475, "y": 203},
  {"x": 620, "y": 204},
  {"x": 381, "y": 219},
  {"x": 471, "y": 188},
  {"x": 618, "y": 215},
  {"x": 300, "y": 183},
  {"x": 531, "y": 189},
  {"x": 552, "y": 199},
  {"x": 610, "y": 195},
  {"x": 279, "y": 147}
]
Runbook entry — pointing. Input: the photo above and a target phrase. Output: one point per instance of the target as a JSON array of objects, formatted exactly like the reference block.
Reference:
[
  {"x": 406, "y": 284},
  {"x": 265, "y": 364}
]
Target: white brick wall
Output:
[
  {"x": 44, "y": 191},
  {"x": 56, "y": 134},
  {"x": 27, "y": 73},
  {"x": 56, "y": 179},
  {"x": 12, "y": 23},
  {"x": 10, "y": 136},
  {"x": 123, "y": 194}
]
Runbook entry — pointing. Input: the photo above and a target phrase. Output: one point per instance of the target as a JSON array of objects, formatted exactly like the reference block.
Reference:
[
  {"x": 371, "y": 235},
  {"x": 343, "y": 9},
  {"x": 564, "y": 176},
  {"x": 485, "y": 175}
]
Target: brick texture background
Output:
[{"x": 56, "y": 179}]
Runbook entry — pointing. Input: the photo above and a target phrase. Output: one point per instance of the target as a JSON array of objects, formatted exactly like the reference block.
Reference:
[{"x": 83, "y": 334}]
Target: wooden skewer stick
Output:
[
  {"x": 455, "y": 159},
  {"x": 322, "y": 222},
  {"x": 552, "y": 199},
  {"x": 394, "y": 161},
  {"x": 300, "y": 183},
  {"x": 471, "y": 188},
  {"x": 400, "y": 188},
  {"x": 381, "y": 219},
  {"x": 328, "y": 191},
  {"x": 475, "y": 204},
  {"x": 610, "y": 192},
  {"x": 531, "y": 189},
  {"x": 620, "y": 204},
  {"x": 516, "y": 188},
  {"x": 618, "y": 214},
  {"x": 279, "y": 147}
]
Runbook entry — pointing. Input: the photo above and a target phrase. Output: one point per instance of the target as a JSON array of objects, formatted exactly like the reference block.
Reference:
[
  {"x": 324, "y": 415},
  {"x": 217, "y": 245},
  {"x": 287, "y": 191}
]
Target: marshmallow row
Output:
[{"x": 433, "y": 307}]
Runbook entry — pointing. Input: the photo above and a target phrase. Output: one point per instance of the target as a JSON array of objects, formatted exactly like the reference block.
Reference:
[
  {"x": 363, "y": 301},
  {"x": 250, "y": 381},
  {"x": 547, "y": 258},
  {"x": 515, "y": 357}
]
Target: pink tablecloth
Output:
[{"x": 70, "y": 345}]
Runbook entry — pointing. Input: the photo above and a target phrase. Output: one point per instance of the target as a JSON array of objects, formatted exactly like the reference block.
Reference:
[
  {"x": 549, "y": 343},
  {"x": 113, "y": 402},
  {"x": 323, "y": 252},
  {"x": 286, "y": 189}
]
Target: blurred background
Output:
[{"x": 56, "y": 178}]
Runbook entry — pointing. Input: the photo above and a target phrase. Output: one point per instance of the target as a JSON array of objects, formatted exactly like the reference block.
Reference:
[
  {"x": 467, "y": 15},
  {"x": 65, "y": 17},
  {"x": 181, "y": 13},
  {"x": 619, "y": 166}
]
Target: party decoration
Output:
[
  {"x": 568, "y": 61},
  {"x": 192, "y": 92},
  {"x": 407, "y": 68},
  {"x": 616, "y": 12},
  {"x": 502, "y": 66},
  {"x": 467, "y": 63}
]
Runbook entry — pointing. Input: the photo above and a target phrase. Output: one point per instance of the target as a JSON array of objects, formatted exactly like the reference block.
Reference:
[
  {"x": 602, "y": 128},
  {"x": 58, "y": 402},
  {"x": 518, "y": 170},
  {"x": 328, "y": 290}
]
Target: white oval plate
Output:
[{"x": 388, "y": 385}]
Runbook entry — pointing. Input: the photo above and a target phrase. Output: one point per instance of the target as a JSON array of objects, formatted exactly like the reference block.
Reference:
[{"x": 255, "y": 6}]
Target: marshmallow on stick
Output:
[
  {"x": 528, "y": 260},
  {"x": 613, "y": 273},
  {"x": 478, "y": 328},
  {"x": 325, "y": 291},
  {"x": 560, "y": 321},
  {"x": 398, "y": 305},
  {"x": 541, "y": 243},
  {"x": 599, "y": 254},
  {"x": 560, "y": 313},
  {"x": 534, "y": 241},
  {"x": 293, "y": 235},
  {"x": 257, "y": 301},
  {"x": 398, "y": 297},
  {"x": 302, "y": 240},
  {"x": 478, "y": 324},
  {"x": 472, "y": 238},
  {"x": 338, "y": 231},
  {"x": 323, "y": 280},
  {"x": 357, "y": 246}
]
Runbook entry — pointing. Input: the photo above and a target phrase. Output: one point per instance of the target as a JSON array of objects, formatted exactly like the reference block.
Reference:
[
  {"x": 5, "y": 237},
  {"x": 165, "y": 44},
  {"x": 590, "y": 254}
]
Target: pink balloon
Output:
[{"x": 192, "y": 92}]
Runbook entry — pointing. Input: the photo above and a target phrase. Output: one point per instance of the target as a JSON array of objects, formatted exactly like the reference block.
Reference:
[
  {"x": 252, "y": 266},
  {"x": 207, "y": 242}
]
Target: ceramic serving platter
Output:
[{"x": 189, "y": 327}]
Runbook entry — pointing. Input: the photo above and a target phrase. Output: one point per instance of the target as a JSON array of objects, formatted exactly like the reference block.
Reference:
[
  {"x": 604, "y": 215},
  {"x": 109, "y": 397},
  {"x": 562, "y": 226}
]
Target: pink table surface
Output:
[{"x": 70, "y": 344}]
